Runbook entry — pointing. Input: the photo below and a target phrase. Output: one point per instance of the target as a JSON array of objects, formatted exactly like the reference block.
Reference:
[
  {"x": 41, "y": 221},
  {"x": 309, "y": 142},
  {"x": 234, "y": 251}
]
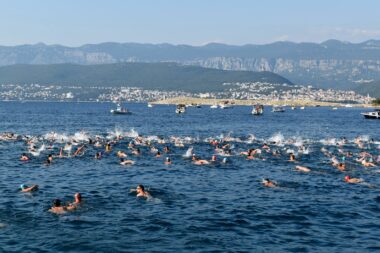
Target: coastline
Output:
[{"x": 208, "y": 101}]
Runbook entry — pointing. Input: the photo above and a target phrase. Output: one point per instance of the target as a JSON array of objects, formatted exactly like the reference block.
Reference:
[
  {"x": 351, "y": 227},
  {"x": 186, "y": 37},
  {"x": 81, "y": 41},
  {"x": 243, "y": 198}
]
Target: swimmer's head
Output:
[
  {"x": 346, "y": 178},
  {"x": 78, "y": 196},
  {"x": 140, "y": 187},
  {"x": 22, "y": 186},
  {"x": 167, "y": 159},
  {"x": 57, "y": 203},
  {"x": 225, "y": 160}
]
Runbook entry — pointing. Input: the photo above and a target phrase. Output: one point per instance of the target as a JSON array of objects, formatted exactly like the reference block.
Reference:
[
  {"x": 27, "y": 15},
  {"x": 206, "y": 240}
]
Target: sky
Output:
[{"x": 193, "y": 22}]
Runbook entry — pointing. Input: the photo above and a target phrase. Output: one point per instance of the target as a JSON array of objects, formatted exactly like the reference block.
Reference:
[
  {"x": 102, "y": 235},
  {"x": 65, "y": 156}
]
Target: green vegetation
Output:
[
  {"x": 376, "y": 101},
  {"x": 163, "y": 76},
  {"x": 373, "y": 89}
]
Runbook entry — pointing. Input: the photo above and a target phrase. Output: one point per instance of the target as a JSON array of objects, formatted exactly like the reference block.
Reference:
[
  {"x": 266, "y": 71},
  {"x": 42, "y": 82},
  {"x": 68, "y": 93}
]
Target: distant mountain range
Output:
[
  {"x": 331, "y": 64},
  {"x": 162, "y": 76}
]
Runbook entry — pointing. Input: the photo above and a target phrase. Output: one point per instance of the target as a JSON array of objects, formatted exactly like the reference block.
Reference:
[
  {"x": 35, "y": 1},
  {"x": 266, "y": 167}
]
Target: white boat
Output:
[
  {"x": 277, "y": 108},
  {"x": 180, "y": 109},
  {"x": 372, "y": 115},
  {"x": 334, "y": 108},
  {"x": 214, "y": 106},
  {"x": 120, "y": 110},
  {"x": 258, "y": 110},
  {"x": 225, "y": 106},
  {"x": 302, "y": 107},
  {"x": 293, "y": 107},
  {"x": 150, "y": 105},
  {"x": 348, "y": 105}
]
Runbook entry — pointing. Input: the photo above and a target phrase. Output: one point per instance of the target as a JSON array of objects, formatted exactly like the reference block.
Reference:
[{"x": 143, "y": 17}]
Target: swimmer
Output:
[
  {"x": 367, "y": 164},
  {"x": 350, "y": 180},
  {"x": 24, "y": 157},
  {"x": 136, "y": 151},
  {"x": 268, "y": 183},
  {"x": 50, "y": 158},
  {"x": 108, "y": 147},
  {"x": 224, "y": 160},
  {"x": 141, "y": 192},
  {"x": 98, "y": 155},
  {"x": 166, "y": 149},
  {"x": 126, "y": 162},
  {"x": 60, "y": 155},
  {"x": 341, "y": 166},
  {"x": 292, "y": 157},
  {"x": 197, "y": 161},
  {"x": 302, "y": 168},
  {"x": 153, "y": 149},
  {"x": 265, "y": 146},
  {"x": 158, "y": 154},
  {"x": 213, "y": 158},
  {"x": 57, "y": 208},
  {"x": 121, "y": 154},
  {"x": 80, "y": 149},
  {"x": 97, "y": 144},
  {"x": 168, "y": 161},
  {"x": 77, "y": 201},
  {"x": 25, "y": 188}
]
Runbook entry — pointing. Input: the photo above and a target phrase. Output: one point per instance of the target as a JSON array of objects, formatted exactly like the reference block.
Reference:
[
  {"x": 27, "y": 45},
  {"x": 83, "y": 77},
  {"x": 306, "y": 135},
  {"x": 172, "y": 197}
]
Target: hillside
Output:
[
  {"x": 165, "y": 76},
  {"x": 331, "y": 64},
  {"x": 372, "y": 88}
]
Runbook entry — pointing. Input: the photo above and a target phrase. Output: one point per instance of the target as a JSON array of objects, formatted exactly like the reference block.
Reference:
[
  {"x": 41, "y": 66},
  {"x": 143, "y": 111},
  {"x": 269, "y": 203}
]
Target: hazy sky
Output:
[{"x": 195, "y": 22}]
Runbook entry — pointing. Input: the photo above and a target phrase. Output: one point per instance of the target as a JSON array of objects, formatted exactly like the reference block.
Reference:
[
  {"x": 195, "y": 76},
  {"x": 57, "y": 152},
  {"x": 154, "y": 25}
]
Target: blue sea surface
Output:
[{"x": 210, "y": 208}]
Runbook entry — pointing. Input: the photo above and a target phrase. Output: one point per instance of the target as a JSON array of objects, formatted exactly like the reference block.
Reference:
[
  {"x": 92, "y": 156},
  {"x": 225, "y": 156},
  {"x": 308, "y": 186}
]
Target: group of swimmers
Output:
[{"x": 223, "y": 147}]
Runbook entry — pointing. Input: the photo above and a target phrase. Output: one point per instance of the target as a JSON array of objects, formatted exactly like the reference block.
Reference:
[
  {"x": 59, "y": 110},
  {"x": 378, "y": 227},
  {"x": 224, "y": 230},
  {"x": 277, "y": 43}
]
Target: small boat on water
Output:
[
  {"x": 214, "y": 106},
  {"x": 150, "y": 105},
  {"x": 334, "y": 108},
  {"x": 372, "y": 115},
  {"x": 181, "y": 108},
  {"x": 258, "y": 110},
  {"x": 225, "y": 105},
  {"x": 120, "y": 110},
  {"x": 277, "y": 108},
  {"x": 293, "y": 107},
  {"x": 302, "y": 107}
]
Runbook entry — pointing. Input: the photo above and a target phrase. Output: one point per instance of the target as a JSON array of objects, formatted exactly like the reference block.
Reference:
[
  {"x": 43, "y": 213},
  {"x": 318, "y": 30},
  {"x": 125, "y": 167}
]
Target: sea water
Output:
[{"x": 211, "y": 208}]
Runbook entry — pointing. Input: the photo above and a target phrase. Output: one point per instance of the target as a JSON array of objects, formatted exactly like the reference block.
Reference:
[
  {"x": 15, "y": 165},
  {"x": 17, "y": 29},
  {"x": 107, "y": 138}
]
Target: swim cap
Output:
[
  {"x": 22, "y": 186},
  {"x": 346, "y": 178}
]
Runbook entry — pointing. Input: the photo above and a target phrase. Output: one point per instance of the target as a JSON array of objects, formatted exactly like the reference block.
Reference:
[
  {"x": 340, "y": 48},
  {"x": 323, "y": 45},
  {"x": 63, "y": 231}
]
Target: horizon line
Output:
[{"x": 191, "y": 45}]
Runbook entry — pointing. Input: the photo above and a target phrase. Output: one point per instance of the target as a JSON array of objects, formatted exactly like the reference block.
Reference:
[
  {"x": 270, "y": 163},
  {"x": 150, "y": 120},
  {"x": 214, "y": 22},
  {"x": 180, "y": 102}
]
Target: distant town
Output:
[{"x": 242, "y": 91}]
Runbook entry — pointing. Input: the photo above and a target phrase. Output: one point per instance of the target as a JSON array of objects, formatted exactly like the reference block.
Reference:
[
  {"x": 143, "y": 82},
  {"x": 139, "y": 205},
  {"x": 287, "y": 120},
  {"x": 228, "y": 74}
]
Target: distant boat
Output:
[
  {"x": 372, "y": 115},
  {"x": 180, "y": 109},
  {"x": 150, "y": 105},
  {"x": 120, "y": 110},
  {"x": 302, "y": 107},
  {"x": 293, "y": 107},
  {"x": 278, "y": 109},
  {"x": 334, "y": 108},
  {"x": 225, "y": 105},
  {"x": 214, "y": 106},
  {"x": 258, "y": 110},
  {"x": 348, "y": 105}
]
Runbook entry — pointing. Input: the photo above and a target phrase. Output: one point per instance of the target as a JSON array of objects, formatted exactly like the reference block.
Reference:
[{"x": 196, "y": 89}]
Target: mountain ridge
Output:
[
  {"x": 329, "y": 64},
  {"x": 162, "y": 76}
]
